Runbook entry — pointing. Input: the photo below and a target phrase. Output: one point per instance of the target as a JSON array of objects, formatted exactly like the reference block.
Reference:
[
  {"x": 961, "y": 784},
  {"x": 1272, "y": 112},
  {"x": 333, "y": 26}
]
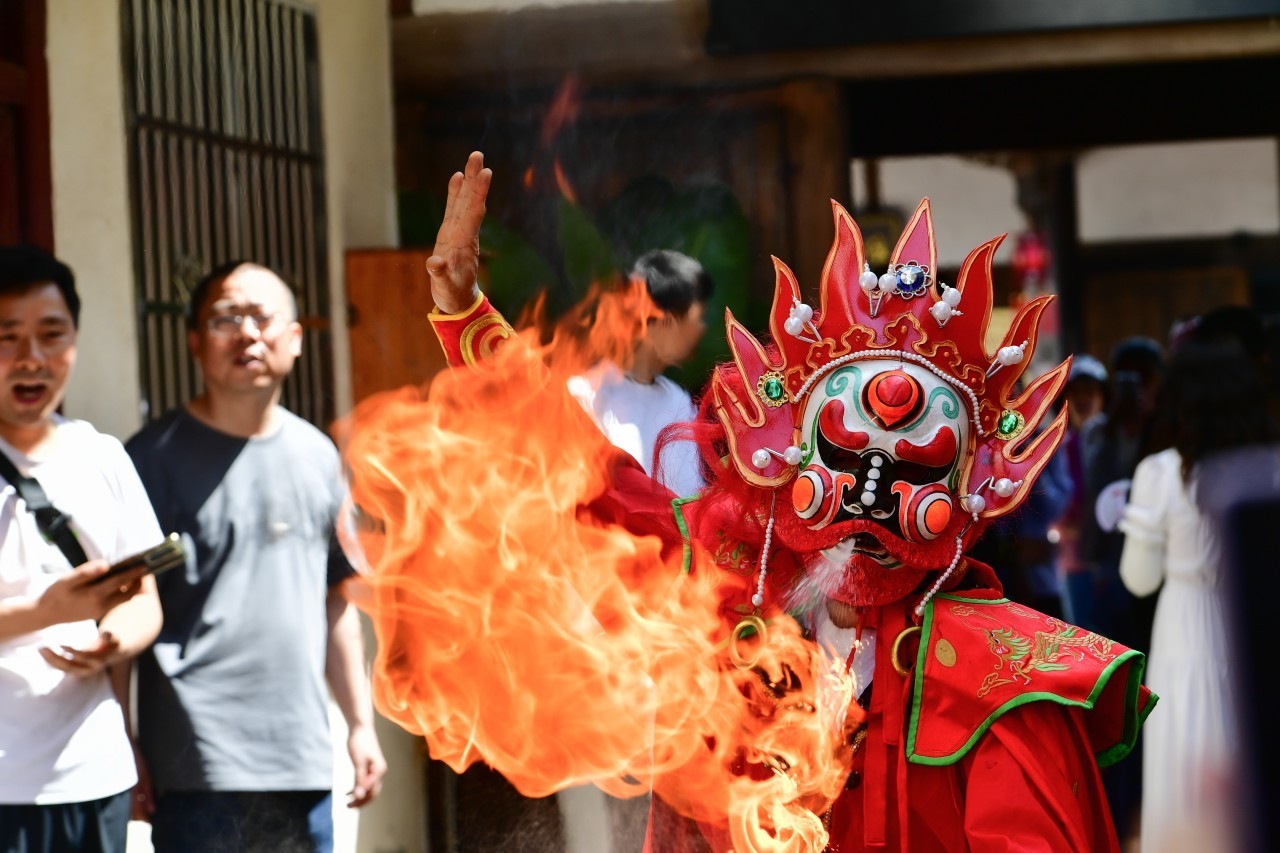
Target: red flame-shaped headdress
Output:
[{"x": 908, "y": 315}]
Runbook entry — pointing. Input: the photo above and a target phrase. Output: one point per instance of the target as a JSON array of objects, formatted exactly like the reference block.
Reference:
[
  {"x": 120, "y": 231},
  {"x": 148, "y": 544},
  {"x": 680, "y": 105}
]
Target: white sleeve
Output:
[
  {"x": 138, "y": 528},
  {"x": 581, "y": 390},
  {"x": 1144, "y": 522}
]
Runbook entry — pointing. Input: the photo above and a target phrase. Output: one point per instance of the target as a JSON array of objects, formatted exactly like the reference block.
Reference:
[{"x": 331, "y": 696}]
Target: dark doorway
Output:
[
  {"x": 1064, "y": 107},
  {"x": 26, "y": 214},
  {"x": 1043, "y": 119}
]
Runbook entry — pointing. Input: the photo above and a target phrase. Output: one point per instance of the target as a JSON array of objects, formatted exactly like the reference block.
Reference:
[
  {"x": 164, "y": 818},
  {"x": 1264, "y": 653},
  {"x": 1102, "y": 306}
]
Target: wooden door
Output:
[
  {"x": 388, "y": 300},
  {"x": 26, "y": 212},
  {"x": 1151, "y": 302}
]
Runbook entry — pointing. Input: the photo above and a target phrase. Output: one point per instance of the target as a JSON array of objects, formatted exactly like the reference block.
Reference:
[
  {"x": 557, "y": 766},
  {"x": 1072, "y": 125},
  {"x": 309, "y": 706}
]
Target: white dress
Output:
[{"x": 1189, "y": 762}]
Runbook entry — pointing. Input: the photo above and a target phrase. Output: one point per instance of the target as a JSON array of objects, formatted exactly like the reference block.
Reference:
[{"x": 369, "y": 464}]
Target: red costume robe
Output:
[{"x": 991, "y": 741}]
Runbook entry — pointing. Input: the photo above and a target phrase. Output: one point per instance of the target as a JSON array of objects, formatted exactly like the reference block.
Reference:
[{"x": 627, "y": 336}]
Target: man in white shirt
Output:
[
  {"x": 66, "y": 765},
  {"x": 632, "y": 405}
]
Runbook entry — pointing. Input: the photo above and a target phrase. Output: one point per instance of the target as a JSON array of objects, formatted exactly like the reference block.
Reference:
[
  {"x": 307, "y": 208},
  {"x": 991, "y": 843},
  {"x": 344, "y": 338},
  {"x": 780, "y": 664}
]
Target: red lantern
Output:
[{"x": 1030, "y": 259}]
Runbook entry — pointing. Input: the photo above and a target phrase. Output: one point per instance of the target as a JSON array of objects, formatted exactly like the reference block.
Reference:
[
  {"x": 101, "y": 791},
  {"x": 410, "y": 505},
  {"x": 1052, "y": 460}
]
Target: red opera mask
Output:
[
  {"x": 882, "y": 445},
  {"x": 885, "y": 430}
]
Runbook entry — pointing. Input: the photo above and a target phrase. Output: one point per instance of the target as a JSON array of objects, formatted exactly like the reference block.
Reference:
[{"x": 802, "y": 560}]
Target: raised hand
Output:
[{"x": 455, "y": 260}]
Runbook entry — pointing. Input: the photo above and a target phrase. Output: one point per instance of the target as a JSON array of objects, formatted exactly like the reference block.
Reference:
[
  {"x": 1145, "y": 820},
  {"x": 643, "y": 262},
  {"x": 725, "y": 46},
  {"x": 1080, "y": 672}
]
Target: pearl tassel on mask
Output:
[
  {"x": 975, "y": 503},
  {"x": 937, "y": 585},
  {"x": 758, "y": 598}
]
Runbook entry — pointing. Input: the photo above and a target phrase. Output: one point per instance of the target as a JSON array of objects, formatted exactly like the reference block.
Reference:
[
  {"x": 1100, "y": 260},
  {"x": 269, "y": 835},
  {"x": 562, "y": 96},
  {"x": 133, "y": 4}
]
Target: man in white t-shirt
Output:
[
  {"x": 632, "y": 406},
  {"x": 66, "y": 764}
]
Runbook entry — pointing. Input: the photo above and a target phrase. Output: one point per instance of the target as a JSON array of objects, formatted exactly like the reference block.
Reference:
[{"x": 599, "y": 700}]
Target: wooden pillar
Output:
[{"x": 818, "y": 156}]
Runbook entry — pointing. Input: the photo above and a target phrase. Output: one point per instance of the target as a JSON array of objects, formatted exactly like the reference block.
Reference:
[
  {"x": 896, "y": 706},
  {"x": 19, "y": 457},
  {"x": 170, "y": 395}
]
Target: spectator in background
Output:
[
  {"x": 1238, "y": 491},
  {"x": 1191, "y": 758},
  {"x": 1085, "y": 396},
  {"x": 1259, "y": 343},
  {"x": 1019, "y": 546},
  {"x": 232, "y": 706},
  {"x": 66, "y": 767},
  {"x": 1112, "y": 445},
  {"x": 1085, "y": 393},
  {"x": 632, "y": 404}
]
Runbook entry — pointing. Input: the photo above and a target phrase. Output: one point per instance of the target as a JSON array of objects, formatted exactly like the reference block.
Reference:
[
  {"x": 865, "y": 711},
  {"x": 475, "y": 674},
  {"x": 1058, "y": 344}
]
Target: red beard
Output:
[
  {"x": 859, "y": 580},
  {"x": 866, "y": 583}
]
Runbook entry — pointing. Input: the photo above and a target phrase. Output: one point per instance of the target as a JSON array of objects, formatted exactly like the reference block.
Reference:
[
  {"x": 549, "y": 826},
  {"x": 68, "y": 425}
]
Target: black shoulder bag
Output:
[{"x": 53, "y": 523}]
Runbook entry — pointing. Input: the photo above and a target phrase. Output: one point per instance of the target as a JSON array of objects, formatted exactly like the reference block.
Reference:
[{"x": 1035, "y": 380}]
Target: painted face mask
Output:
[
  {"x": 883, "y": 443},
  {"x": 878, "y": 429}
]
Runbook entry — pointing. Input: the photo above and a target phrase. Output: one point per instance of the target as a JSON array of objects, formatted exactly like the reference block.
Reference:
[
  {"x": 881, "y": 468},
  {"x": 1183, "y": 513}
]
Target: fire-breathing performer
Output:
[{"x": 852, "y": 458}]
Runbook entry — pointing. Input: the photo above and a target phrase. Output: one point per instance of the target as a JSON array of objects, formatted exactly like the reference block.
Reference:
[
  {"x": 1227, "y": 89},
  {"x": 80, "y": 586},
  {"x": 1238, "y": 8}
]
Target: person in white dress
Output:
[{"x": 1191, "y": 761}]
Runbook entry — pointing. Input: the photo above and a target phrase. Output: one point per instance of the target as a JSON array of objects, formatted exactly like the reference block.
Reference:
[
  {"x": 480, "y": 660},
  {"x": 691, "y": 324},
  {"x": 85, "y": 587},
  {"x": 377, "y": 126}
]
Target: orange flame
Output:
[
  {"x": 562, "y": 112},
  {"x": 563, "y": 109},
  {"x": 562, "y": 182},
  {"x": 606, "y": 325},
  {"x": 516, "y": 628}
]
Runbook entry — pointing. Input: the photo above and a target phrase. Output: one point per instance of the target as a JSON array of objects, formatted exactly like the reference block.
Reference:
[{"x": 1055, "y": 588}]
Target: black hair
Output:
[
  {"x": 215, "y": 277},
  {"x": 1233, "y": 322},
  {"x": 24, "y": 267},
  {"x": 1138, "y": 355},
  {"x": 1212, "y": 401},
  {"x": 674, "y": 281}
]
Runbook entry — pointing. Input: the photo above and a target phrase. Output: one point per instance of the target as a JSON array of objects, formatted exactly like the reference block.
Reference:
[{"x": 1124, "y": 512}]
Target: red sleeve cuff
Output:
[{"x": 472, "y": 335}]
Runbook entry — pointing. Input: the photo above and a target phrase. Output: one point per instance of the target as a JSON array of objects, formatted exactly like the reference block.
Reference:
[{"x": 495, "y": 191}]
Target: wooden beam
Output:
[{"x": 664, "y": 44}]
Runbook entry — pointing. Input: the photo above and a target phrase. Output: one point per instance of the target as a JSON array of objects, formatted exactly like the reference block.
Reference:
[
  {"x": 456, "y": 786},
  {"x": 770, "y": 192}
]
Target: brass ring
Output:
[
  {"x": 904, "y": 671},
  {"x": 754, "y": 622}
]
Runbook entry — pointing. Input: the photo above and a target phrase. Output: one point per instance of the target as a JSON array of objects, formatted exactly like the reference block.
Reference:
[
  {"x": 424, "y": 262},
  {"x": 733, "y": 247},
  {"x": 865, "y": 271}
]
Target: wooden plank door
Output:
[
  {"x": 1151, "y": 302},
  {"x": 388, "y": 300}
]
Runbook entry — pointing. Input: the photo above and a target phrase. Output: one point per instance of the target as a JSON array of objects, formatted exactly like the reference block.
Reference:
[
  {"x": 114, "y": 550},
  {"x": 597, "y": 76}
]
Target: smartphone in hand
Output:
[{"x": 169, "y": 554}]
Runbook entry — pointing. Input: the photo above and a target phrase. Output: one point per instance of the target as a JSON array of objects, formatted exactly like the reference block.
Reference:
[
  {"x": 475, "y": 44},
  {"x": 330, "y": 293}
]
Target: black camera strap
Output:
[{"x": 53, "y": 523}]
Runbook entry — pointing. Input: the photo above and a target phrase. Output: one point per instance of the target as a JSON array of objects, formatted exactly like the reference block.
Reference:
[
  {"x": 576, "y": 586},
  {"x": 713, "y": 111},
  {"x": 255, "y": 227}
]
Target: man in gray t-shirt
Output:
[{"x": 232, "y": 702}]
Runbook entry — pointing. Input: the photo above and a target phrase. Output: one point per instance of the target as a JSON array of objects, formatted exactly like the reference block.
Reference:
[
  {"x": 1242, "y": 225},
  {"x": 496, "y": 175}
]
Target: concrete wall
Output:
[
  {"x": 355, "y": 67},
  {"x": 971, "y": 201},
  {"x": 1183, "y": 189},
  {"x": 1132, "y": 192},
  {"x": 91, "y": 208},
  {"x": 92, "y": 233}
]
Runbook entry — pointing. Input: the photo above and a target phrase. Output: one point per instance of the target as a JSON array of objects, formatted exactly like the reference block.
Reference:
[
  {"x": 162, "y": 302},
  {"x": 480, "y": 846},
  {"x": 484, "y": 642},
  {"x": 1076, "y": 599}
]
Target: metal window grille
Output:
[{"x": 226, "y": 162}]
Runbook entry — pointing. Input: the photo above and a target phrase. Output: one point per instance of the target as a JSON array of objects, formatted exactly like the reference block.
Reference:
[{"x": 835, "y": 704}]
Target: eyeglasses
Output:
[{"x": 231, "y": 325}]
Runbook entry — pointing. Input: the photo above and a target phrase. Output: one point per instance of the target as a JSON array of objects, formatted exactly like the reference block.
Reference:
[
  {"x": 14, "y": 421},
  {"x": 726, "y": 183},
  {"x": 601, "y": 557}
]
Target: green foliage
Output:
[
  {"x": 420, "y": 217},
  {"x": 588, "y": 257},
  {"x": 514, "y": 271},
  {"x": 703, "y": 220}
]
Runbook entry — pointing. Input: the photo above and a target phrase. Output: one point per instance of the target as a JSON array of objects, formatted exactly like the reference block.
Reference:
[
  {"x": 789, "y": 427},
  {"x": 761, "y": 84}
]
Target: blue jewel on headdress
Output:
[{"x": 913, "y": 278}]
